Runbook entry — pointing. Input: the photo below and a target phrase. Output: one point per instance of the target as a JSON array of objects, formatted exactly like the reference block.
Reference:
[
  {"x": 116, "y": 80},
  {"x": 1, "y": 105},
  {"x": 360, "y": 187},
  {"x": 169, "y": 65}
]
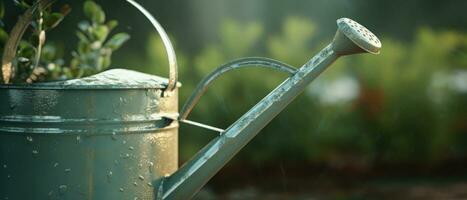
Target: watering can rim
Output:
[{"x": 152, "y": 82}]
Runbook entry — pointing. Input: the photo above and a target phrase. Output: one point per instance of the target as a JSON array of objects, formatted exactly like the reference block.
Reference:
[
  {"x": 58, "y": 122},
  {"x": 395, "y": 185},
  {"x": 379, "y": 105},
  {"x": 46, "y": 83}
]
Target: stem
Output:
[
  {"x": 9, "y": 52},
  {"x": 41, "y": 36}
]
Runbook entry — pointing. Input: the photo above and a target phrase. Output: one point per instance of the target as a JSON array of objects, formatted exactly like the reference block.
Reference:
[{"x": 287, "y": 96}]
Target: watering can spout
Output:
[{"x": 351, "y": 38}]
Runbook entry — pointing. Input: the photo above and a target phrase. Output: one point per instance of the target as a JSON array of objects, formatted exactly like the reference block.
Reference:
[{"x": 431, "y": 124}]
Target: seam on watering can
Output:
[
  {"x": 86, "y": 128},
  {"x": 94, "y": 87}
]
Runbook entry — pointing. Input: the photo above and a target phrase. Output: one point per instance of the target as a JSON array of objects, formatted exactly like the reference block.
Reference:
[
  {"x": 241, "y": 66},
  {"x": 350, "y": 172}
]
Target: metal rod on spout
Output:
[{"x": 194, "y": 174}]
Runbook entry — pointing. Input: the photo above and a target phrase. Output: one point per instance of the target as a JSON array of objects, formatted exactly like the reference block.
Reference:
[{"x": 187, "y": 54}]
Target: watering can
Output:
[{"x": 114, "y": 135}]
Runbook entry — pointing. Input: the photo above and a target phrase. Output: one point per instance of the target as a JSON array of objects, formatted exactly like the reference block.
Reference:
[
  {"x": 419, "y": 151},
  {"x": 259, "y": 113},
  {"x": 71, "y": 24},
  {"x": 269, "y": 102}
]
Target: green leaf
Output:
[
  {"x": 3, "y": 36},
  {"x": 84, "y": 26},
  {"x": 112, "y": 24},
  {"x": 82, "y": 37},
  {"x": 94, "y": 12},
  {"x": 117, "y": 41},
  {"x": 106, "y": 61},
  {"x": 22, "y": 4},
  {"x": 101, "y": 33},
  {"x": 52, "y": 20},
  {"x": 83, "y": 48}
]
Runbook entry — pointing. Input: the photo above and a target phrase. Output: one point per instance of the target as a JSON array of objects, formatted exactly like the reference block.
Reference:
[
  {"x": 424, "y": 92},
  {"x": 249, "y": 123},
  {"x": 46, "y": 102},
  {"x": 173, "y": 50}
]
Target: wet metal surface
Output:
[{"x": 87, "y": 142}]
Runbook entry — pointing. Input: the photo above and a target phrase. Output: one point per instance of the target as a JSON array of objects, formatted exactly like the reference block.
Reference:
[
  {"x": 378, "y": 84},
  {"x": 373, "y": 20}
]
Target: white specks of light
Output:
[
  {"x": 443, "y": 83},
  {"x": 330, "y": 92},
  {"x": 458, "y": 81}
]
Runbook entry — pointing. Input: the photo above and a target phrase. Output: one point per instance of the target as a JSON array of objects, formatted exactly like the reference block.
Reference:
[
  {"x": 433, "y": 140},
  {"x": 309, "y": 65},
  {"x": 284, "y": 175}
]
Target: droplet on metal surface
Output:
[
  {"x": 114, "y": 136},
  {"x": 62, "y": 189}
]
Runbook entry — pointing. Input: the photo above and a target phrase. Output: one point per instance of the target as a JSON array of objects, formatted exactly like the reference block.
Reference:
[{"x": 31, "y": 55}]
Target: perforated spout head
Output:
[{"x": 352, "y": 38}]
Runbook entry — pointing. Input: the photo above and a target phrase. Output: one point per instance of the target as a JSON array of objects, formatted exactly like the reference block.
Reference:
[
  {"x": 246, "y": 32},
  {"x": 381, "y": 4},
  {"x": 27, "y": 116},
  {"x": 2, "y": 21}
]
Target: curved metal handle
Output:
[
  {"x": 235, "y": 64},
  {"x": 173, "y": 69}
]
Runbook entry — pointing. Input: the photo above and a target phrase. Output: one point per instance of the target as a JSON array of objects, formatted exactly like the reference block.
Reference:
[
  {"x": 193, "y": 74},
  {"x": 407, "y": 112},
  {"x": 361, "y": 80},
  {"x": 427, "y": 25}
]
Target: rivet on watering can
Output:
[{"x": 62, "y": 189}]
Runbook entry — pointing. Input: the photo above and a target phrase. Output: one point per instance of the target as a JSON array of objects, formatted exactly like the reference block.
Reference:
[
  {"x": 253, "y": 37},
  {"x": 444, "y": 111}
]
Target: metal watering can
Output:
[{"x": 114, "y": 135}]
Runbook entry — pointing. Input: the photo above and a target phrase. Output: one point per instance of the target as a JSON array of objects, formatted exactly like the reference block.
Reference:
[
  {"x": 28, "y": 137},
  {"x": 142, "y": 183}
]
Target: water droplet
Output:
[
  {"x": 5, "y": 166},
  {"x": 109, "y": 176},
  {"x": 114, "y": 136},
  {"x": 62, "y": 189},
  {"x": 136, "y": 198},
  {"x": 67, "y": 170},
  {"x": 126, "y": 155},
  {"x": 8, "y": 176},
  {"x": 124, "y": 142},
  {"x": 121, "y": 190},
  {"x": 116, "y": 162},
  {"x": 135, "y": 183},
  {"x": 51, "y": 192},
  {"x": 131, "y": 148},
  {"x": 29, "y": 138},
  {"x": 78, "y": 138},
  {"x": 141, "y": 177},
  {"x": 150, "y": 184},
  {"x": 151, "y": 165},
  {"x": 6, "y": 198},
  {"x": 55, "y": 164},
  {"x": 35, "y": 151}
]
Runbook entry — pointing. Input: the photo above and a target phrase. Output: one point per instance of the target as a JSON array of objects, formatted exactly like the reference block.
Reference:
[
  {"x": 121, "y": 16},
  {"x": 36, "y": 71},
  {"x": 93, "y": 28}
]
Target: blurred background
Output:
[{"x": 392, "y": 126}]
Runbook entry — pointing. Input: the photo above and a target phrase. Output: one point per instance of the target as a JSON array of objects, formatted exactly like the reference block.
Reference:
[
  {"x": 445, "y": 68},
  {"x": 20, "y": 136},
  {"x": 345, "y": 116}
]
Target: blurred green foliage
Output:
[{"x": 406, "y": 105}]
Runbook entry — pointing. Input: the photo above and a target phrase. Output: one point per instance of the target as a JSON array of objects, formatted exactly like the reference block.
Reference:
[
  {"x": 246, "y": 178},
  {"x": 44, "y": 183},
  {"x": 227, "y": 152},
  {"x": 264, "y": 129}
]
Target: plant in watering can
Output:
[{"x": 27, "y": 57}]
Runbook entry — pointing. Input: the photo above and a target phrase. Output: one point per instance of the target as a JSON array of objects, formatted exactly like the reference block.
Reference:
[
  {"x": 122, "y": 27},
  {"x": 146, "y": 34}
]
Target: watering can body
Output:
[{"x": 89, "y": 141}]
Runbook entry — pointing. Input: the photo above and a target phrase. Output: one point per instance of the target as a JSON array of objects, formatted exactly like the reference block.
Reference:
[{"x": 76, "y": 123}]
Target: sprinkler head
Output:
[{"x": 352, "y": 38}]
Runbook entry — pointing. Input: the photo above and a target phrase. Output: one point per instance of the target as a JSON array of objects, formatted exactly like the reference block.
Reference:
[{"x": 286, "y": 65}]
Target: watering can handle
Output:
[
  {"x": 235, "y": 64},
  {"x": 173, "y": 69}
]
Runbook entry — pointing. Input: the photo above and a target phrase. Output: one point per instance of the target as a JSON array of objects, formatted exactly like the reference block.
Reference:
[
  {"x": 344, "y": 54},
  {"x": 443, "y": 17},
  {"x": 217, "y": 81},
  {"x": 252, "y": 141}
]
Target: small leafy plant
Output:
[{"x": 30, "y": 59}]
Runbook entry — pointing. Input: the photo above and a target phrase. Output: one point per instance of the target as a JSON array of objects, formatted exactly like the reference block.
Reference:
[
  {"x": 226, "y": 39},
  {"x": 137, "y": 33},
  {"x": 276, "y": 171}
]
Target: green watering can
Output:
[{"x": 114, "y": 135}]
